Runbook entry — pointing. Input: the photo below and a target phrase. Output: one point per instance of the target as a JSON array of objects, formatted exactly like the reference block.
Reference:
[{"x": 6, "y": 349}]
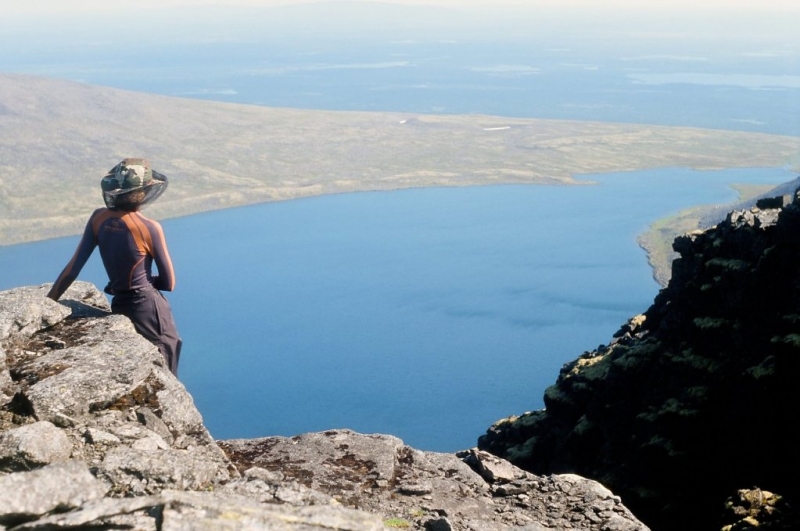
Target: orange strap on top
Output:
[{"x": 141, "y": 236}]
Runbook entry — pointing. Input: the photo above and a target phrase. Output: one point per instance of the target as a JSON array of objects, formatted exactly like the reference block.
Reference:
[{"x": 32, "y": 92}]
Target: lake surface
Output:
[{"x": 427, "y": 314}]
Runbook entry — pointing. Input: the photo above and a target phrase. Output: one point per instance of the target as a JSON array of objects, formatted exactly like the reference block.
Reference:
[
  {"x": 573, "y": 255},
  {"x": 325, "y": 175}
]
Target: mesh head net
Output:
[{"x": 137, "y": 197}]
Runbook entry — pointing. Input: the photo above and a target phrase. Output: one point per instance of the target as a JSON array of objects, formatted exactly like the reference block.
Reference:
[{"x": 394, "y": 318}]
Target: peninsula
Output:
[{"x": 59, "y": 137}]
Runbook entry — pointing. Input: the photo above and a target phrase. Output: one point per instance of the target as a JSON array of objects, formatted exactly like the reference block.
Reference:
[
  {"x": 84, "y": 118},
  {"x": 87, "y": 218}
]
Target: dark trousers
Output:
[{"x": 151, "y": 315}]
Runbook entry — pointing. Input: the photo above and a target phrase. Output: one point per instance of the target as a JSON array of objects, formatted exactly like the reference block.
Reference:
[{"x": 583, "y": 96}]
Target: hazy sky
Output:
[{"x": 51, "y": 6}]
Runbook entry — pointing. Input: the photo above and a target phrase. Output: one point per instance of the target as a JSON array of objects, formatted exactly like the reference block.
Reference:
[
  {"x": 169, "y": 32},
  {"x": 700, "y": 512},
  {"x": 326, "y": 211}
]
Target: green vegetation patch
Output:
[
  {"x": 675, "y": 407},
  {"x": 697, "y": 393},
  {"x": 657, "y": 240},
  {"x": 730, "y": 264},
  {"x": 792, "y": 340},
  {"x": 698, "y": 362},
  {"x": 765, "y": 369},
  {"x": 710, "y": 323},
  {"x": 397, "y": 523}
]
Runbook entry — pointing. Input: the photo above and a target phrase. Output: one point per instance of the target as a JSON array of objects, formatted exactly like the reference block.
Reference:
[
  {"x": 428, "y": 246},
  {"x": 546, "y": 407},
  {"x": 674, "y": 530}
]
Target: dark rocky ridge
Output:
[
  {"x": 695, "y": 399},
  {"x": 95, "y": 433},
  {"x": 714, "y": 215}
]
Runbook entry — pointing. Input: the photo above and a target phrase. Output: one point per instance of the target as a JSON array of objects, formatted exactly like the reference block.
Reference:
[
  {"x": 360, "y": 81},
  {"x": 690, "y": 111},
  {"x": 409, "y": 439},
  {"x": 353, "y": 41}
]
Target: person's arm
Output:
[
  {"x": 165, "y": 281},
  {"x": 82, "y": 254}
]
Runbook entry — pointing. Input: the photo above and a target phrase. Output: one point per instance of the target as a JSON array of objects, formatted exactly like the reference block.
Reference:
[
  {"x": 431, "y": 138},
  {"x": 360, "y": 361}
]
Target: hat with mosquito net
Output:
[{"x": 132, "y": 184}]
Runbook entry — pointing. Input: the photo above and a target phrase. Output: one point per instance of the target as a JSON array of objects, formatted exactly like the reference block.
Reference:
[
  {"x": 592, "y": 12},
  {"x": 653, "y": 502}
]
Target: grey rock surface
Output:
[
  {"x": 6, "y": 384},
  {"x": 26, "y": 495},
  {"x": 137, "y": 471},
  {"x": 32, "y": 446},
  {"x": 25, "y": 310},
  {"x": 127, "y": 513},
  {"x": 91, "y": 374},
  {"x": 191, "y": 511},
  {"x": 265, "y": 486},
  {"x": 427, "y": 490}
]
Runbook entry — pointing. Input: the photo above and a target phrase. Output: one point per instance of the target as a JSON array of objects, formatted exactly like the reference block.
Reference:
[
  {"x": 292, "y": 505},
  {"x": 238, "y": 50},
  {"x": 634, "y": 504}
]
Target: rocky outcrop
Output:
[
  {"x": 96, "y": 433},
  {"x": 695, "y": 399},
  {"x": 434, "y": 491}
]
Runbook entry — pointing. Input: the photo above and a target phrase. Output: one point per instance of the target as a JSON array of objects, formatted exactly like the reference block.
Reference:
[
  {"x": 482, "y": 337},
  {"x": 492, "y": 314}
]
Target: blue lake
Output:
[{"x": 427, "y": 314}]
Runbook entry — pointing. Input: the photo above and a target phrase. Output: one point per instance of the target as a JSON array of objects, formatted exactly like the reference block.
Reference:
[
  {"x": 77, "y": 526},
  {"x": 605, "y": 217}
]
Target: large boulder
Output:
[
  {"x": 32, "y": 446},
  {"x": 25, "y": 310}
]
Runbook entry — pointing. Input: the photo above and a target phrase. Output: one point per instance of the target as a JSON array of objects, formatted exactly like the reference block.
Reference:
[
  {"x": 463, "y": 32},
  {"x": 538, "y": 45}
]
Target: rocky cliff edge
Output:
[
  {"x": 95, "y": 433},
  {"x": 690, "y": 413}
]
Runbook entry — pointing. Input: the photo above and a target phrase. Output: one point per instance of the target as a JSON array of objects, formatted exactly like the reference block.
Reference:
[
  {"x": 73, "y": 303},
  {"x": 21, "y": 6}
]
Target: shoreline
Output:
[
  {"x": 223, "y": 155},
  {"x": 224, "y": 200},
  {"x": 652, "y": 241}
]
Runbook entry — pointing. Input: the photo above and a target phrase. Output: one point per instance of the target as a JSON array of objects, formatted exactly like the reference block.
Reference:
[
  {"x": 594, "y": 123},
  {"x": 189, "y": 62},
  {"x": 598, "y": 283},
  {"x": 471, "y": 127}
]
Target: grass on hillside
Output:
[
  {"x": 657, "y": 241},
  {"x": 58, "y": 138}
]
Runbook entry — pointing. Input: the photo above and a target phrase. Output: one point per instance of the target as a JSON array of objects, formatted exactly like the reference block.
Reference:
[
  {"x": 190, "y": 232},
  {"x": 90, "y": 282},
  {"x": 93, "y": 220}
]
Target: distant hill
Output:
[{"x": 57, "y": 139}]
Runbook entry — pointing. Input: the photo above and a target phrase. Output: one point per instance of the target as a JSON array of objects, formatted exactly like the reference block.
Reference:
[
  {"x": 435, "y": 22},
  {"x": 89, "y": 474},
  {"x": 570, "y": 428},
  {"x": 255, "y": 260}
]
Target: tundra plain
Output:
[{"x": 58, "y": 138}]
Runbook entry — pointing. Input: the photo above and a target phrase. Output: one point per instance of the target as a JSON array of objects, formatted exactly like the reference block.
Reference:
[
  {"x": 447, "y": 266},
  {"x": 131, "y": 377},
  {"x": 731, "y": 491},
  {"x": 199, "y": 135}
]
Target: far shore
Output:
[{"x": 61, "y": 137}]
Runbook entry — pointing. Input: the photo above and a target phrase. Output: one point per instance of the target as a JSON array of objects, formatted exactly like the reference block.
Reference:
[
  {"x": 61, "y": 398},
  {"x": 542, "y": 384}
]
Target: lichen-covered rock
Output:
[
  {"x": 32, "y": 446},
  {"x": 90, "y": 374},
  {"x": 61, "y": 486},
  {"x": 694, "y": 400},
  {"x": 192, "y": 511},
  {"x": 267, "y": 486},
  {"x": 6, "y": 383},
  {"x": 104, "y": 513},
  {"x": 26, "y": 310},
  {"x": 429, "y": 490},
  {"x": 134, "y": 471},
  {"x": 759, "y": 509}
]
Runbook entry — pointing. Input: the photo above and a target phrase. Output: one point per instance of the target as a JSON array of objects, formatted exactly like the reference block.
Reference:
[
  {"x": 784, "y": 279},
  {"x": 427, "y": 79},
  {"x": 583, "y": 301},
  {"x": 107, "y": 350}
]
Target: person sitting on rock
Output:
[{"x": 129, "y": 244}]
